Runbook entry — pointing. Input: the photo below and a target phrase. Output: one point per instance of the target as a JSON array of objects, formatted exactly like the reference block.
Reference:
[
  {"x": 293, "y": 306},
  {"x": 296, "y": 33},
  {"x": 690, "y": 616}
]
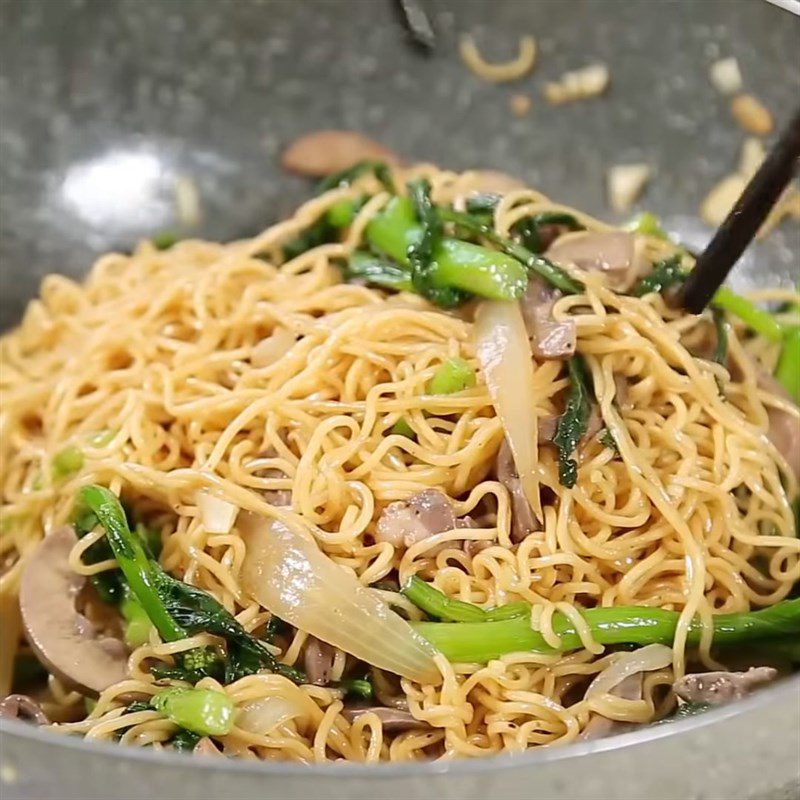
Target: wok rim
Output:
[{"x": 780, "y": 692}]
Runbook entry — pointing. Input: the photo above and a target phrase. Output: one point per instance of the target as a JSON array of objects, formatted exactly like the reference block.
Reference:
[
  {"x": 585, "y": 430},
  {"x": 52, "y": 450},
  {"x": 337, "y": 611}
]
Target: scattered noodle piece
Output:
[
  {"x": 499, "y": 73},
  {"x": 578, "y": 85},
  {"x": 625, "y": 183},
  {"x": 520, "y": 104},
  {"x": 726, "y": 76},
  {"x": 751, "y": 115}
]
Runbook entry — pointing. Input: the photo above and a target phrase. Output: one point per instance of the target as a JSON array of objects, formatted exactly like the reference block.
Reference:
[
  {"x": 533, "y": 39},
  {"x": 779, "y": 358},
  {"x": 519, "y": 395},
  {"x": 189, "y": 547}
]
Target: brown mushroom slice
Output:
[
  {"x": 22, "y": 707},
  {"x": 549, "y": 337},
  {"x": 613, "y": 253},
  {"x": 322, "y": 153},
  {"x": 62, "y": 638},
  {"x": 394, "y": 720}
]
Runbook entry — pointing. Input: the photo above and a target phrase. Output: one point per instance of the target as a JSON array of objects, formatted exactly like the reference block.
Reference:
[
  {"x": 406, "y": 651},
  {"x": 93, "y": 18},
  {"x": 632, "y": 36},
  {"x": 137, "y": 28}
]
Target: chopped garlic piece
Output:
[
  {"x": 751, "y": 115},
  {"x": 187, "y": 201},
  {"x": 721, "y": 199},
  {"x": 625, "y": 184},
  {"x": 578, "y": 85},
  {"x": 520, "y": 104},
  {"x": 725, "y": 75},
  {"x": 753, "y": 153}
]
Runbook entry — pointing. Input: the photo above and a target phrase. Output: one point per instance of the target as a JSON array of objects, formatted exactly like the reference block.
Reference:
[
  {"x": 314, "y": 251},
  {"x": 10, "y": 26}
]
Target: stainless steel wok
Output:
[{"x": 105, "y": 104}]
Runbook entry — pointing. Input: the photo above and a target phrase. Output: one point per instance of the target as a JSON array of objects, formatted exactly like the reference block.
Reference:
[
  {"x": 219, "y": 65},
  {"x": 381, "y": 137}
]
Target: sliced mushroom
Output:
[
  {"x": 22, "y": 707},
  {"x": 394, "y": 720},
  {"x": 599, "y": 726},
  {"x": 323, "y": 153},
  {"x": 718, "y": 688},
  {"x": 550, "y": 338},
  {"x": 613, "y": 253},
  {"x": 62, "y": 638},
  {"x": 318, "y": 660}
]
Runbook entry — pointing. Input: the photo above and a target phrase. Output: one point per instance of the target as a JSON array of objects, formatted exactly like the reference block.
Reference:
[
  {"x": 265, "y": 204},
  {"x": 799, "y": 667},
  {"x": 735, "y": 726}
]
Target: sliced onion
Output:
[
  {"x": 645, "y": 659},
  {"x": 272, "y": 348},
  {"x": 217, "y": 514},
  {"x": 292, "y": 578},
  {"x": 263, "y": 716},
  {"x": 504, "y": 353}
]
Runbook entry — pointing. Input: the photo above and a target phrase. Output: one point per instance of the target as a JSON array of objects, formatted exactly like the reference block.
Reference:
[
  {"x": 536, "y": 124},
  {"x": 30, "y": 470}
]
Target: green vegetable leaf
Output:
[
  {"x": 164, "y": 240},
  {"x": 787, "y": 371},
  {"x": 421, "y": 252},
  {"x": 437, "y": 604},
  {"x": 377, "y": 271},
  {"x": 544, "y": 268},
  {"x": 665, "y": 275},
  {"x": 203, "y": 711},
  {"x": 572, "y": 423},
  {"x": 185, "y": 741},
  {"x": 529, "y": 229},
  {"x": 479, "y": 642},
  {"x": 174, "y": 607}
]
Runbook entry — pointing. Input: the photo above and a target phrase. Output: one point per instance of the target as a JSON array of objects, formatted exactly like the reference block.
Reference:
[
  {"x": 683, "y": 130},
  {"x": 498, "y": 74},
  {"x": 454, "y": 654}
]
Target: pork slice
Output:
[
  {"x": 718, "y": 688},
  {"x": 406, "y": 522}
]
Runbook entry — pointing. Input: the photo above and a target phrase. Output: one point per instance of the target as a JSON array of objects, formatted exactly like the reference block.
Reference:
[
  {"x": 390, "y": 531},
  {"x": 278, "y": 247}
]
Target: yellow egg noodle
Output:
[{"x": 153, "y": 350}]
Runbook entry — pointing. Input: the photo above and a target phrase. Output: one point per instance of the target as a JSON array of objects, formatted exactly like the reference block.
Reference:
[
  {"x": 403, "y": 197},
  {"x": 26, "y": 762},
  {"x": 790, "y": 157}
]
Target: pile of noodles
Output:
[{"x": 153, "y": 350}]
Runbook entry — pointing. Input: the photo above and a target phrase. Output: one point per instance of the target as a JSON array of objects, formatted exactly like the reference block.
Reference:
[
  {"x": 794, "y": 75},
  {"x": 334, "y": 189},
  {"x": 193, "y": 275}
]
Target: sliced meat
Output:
[
  {"x": 406, "y": 522},
  {"x": 206, "y": 747},
  {"x": 613, "y": 253},
  {"x": 22, "y": 707},
  {"x": 550, "y": 338},
  {"x": 594, "y": 424},
  {"x": 523, "y": 520},
  {"x": 318, "y": 660},
  {"x": 324, "y": 153},
  {"x": 394, "y": 719},
  {"x": 784, "y": 427},
  {"x": 718, "y": 688},
  {"x": 64, "y": 640},
  {"x": 599, "y": 726}
]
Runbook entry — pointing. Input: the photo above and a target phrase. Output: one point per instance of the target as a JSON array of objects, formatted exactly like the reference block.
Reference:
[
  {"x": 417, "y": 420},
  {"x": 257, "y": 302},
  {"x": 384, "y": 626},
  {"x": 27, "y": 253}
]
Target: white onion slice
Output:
[
  {"x": 217, "y": 514},
  {"x": 291, "y": 577},
  {"x": 272, "y": 348},
  {"x": 263, "y": 716},
  {"x": 504, "y": 353},
  {"x": 646, "y": 659}
]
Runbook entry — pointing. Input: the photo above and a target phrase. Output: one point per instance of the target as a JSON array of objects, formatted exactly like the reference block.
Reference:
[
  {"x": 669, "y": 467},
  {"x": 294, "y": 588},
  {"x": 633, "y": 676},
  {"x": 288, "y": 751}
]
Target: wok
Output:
[{"x": 105, "y": 104}]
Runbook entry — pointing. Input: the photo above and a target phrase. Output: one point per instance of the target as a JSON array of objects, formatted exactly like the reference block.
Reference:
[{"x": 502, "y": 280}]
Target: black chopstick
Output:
[{"x": 743, "y": 222}]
